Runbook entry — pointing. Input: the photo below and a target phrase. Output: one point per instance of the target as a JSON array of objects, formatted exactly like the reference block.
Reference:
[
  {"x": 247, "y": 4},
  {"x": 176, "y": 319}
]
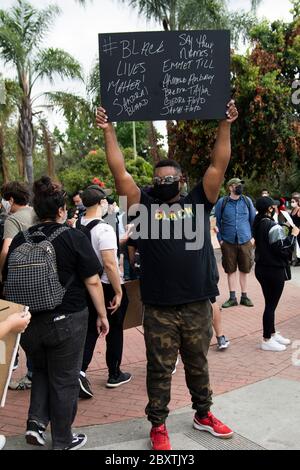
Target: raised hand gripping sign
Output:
[{"x": 150, "y": 76}]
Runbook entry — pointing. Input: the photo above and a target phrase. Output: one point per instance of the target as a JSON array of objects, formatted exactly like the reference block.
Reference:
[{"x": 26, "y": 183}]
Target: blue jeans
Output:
[{"x": 54, "y": 345}]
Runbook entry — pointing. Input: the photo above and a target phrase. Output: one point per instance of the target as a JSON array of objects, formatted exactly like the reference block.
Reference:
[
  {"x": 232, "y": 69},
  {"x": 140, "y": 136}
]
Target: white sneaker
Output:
[
  {"x": 23, "y": 384},
  {"x": 272, "y": 345},
  {"x": 176, "y": 364},
  {"x": 280, "y": 339},
  {"x": 2, "y": 441}
]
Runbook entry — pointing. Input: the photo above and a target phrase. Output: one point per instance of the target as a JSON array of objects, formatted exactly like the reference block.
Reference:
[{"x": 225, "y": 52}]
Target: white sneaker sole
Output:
[
  {"x": 202, "y": 427},
  {"x": 84, "y": 441},
  {"x": 2, "y": 441},
  {"x": 119, "y": 384},
  {"x": 266, "y": 348},
  {"x": 284, "y": 342},
  {"x": 224, "y": 346},
  {"x": 34, "y": 439},
  {"x": 84, "y": 390}
]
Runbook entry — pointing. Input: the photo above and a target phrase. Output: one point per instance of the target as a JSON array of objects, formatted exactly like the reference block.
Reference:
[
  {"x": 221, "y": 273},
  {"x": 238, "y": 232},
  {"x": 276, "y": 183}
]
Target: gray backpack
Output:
[{"x": 32, "y": 277}]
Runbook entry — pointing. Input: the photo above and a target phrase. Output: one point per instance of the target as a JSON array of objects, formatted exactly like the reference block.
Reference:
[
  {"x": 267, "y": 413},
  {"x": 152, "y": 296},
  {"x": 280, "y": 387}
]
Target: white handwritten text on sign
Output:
[{"x": 165, "y": 75}]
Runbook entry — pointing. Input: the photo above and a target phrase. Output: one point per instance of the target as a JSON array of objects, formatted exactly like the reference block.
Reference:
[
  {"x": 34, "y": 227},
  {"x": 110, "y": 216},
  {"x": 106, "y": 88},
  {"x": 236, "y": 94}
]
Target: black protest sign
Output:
[{"x": 165, "y": 75}]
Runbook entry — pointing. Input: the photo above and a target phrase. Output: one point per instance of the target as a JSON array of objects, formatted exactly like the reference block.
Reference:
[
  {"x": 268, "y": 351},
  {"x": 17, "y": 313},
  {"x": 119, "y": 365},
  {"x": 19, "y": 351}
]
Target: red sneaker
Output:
[
  {"x": 212, "y": 425},
  {"x": 160, "y": 438}
]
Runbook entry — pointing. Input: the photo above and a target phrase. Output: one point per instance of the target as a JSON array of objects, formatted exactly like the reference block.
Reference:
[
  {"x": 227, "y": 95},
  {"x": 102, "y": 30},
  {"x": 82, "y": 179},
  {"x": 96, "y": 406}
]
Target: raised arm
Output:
[
  {"x": 214, "y": 175},
  {"x": 125, "y": 184}
]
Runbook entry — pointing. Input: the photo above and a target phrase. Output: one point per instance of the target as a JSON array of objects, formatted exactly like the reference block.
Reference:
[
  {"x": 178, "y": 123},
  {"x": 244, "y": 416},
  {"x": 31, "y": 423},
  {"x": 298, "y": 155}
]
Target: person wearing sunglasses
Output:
[{"x": 177, "y": 275}]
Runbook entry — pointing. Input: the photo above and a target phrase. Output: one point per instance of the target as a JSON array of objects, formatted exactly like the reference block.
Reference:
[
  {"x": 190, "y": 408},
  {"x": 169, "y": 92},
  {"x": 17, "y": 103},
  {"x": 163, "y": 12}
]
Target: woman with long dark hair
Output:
[
  {"x": 55, "y": 338},
  {"x": 272, "y": 255}
]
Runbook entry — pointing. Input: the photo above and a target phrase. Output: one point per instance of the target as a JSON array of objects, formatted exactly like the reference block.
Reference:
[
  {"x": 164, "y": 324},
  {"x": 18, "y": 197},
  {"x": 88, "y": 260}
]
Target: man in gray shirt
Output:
[{"x": 20, "y": 218}]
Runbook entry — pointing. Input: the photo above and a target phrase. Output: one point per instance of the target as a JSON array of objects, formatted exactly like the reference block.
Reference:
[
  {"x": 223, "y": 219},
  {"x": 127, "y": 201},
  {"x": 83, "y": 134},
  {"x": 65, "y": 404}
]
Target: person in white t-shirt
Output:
[{"x": 104, "y": 242}]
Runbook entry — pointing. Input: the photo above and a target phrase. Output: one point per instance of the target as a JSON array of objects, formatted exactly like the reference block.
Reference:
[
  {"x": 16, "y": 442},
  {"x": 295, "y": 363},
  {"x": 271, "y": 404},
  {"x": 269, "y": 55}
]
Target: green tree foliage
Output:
[
  {"x": 94, "y": 165},
  {"x": 6, "y": 110},
  {"x": 125, "y": 136},
  {"x": 22, "y": 31},
  {"x": 81, "y": 133},
  {"x": 266, "y": 137},
  {"x": 197, "y": 14}
]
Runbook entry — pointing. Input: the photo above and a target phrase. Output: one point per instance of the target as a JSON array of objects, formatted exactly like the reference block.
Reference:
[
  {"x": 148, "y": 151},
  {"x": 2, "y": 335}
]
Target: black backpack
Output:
[
  {"x": 86, "y": 229},
  {"x": 32, "y": 277}
]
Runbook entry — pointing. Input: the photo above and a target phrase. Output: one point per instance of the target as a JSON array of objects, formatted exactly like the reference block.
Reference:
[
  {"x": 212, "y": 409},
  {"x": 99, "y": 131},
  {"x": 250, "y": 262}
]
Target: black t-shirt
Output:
[
  {"x": 74, "y": 257},
  {"x": 172, "y": 274}
]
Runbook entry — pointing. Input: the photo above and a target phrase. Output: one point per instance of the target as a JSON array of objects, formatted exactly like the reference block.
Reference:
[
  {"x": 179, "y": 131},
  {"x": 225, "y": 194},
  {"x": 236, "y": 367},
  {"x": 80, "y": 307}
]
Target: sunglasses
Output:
[{"x": 170, "y": 179}]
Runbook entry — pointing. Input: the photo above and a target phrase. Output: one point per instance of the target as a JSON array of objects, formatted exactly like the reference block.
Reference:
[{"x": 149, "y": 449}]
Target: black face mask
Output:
[
  {"x": 238, "y": 190},
  {"x": 165, "y": 192},
  {"x": 272, "y": 213}
]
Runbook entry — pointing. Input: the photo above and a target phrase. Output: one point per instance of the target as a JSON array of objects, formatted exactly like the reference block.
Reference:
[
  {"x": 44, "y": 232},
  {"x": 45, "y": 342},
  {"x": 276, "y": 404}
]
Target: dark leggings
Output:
[
  {"x": 272, "y": 283},
  {"x": 114, "y": 339}
]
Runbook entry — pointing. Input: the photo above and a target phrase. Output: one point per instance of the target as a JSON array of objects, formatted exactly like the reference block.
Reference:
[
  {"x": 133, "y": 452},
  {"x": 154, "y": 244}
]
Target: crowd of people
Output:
[{"x": 69, "y": 267}]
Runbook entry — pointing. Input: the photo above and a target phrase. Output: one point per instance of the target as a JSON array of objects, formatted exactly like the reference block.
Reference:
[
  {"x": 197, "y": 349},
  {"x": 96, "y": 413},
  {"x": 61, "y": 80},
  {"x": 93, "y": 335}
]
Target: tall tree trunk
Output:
[
  {"x": 172, "y": 17},
  {"x": 3, "y": 161},
  {"x": 26, "y": 137},
  {"x": 20, "y": 162},
  {"x": 154, "y": 150},
  {"x": 49, "y": 151},
  {"x": 171, "y": 140}
]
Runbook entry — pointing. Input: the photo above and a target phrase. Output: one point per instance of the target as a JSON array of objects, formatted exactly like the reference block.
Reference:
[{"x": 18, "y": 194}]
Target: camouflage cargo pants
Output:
[{"x": 185, "y": 328}]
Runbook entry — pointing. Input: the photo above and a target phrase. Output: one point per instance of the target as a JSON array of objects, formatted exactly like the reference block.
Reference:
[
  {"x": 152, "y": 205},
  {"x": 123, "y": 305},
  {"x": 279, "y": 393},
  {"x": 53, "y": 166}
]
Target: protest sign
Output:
[
  {"x": 149, "y": 76},
  {"x": 135, "y": 309}
]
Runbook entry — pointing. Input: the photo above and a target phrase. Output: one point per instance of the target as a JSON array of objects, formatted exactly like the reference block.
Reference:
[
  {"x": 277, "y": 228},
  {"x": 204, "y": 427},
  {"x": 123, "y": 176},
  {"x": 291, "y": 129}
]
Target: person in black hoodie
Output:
[{"x": 272, "y": 255}]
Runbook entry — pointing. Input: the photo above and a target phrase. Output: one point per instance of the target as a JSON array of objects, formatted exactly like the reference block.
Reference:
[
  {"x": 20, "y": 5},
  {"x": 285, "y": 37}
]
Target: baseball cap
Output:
[
  {"x": 110, "y": 200},
  {"x": 235, "y": 181},
  {"x": 264, "y": 202},
  {"x": 92, "y": 195}
]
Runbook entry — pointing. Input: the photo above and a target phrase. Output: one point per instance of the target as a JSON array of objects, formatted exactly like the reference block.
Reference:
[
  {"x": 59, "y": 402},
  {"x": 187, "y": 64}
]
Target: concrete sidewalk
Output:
[{"x": 264, "y": 415}]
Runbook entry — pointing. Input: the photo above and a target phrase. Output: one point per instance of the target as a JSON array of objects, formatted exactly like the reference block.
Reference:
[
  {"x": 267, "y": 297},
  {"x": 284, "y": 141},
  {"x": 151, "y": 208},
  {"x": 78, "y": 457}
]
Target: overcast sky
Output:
[{"x": 76, "y": 29}]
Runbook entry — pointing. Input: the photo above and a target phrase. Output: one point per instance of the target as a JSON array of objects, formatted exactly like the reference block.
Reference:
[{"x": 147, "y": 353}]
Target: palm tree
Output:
[
  {"x": 9, "y": 94},
  {"x": 22, "y": 31},
  {"x": 49, "y": 143},
  {"x": 178, "y": 14}
]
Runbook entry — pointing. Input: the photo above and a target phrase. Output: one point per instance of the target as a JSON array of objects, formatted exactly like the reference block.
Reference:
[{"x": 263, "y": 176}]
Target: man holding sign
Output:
[{"x": 177, "y": 275}]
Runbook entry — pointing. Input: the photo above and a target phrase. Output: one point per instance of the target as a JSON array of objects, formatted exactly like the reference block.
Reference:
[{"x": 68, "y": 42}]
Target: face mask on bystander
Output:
[{"x": 238, "y": 190}]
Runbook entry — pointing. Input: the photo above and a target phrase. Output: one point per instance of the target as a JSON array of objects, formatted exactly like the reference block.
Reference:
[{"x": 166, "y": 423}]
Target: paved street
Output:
[{"x": 250, "y": 386}]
